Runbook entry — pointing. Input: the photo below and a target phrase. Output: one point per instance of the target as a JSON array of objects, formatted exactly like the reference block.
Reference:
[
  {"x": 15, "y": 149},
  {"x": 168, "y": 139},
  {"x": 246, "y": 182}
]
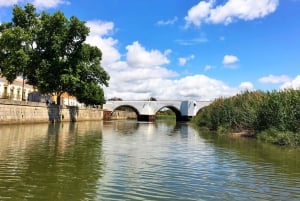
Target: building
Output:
[
  {"x": 66, "y": 99},
  {"x": 14, "y": 90}
]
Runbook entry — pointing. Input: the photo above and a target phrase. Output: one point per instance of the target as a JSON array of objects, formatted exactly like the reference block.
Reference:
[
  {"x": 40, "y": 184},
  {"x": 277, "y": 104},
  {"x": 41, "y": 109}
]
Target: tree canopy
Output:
[{"x": 49, "y": 50}]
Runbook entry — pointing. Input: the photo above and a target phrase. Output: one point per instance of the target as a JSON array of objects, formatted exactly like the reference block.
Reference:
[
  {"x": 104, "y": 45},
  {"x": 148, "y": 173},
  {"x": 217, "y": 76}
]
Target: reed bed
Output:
[{"x": 272, "y": 116}]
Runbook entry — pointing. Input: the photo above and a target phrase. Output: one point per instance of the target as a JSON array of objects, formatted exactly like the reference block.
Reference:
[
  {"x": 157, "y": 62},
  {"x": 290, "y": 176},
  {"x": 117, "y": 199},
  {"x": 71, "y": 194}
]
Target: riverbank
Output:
[
  {"x": 272, "y": 117},
  {"x": 13, "y": 112}
]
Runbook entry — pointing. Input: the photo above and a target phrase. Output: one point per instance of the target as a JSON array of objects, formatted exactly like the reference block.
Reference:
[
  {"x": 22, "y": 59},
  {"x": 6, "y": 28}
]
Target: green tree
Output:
[
  {"x": 90, "y": 93},
  {"x": 17, "y": 43},
  {"x": 49, "y": 50},
  {"x": 13, "y": 56}
]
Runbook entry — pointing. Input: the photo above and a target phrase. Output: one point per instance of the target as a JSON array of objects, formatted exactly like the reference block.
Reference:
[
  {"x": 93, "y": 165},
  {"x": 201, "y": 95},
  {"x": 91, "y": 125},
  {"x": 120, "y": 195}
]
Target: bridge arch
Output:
[
  {"x": 115, "y": 113},
  {"x": 173, "y": 109},
  {"x": 127, "y": 106}
]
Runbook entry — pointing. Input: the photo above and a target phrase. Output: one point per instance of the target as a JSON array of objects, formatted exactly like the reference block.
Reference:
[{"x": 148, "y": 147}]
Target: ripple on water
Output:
[
  {"x": 182, "y": 170},
  {"x": 151, "y": 162}
]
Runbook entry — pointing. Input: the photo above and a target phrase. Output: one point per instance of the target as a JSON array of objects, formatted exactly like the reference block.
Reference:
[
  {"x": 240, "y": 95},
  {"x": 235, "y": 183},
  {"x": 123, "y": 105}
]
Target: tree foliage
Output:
[
  {"x": 49, "y": 50},
  {"x": 17, "y": 42}
]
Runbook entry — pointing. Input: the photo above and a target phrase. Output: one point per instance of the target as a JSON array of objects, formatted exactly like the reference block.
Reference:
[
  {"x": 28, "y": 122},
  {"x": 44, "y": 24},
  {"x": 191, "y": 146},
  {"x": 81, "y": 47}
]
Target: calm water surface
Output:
[{"x": 127, "y": 160}]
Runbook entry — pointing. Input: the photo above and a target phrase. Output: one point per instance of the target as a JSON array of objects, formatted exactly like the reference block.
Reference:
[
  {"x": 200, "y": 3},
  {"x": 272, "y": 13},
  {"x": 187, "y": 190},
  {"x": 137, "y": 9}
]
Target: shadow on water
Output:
[
  {"x": 284, "y": 159},
  {"x": 60, "y": 161},
  {"x": 55, "y": 113}
]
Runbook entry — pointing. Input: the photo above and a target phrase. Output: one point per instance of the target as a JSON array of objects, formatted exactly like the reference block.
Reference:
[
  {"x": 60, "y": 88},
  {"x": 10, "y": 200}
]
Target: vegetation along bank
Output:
[{"x": 272, "y": 117}]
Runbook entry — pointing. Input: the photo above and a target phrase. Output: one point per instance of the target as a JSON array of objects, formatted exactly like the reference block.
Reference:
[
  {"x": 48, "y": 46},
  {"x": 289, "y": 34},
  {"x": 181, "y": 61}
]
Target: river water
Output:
[{"x": 128, "y": 160}]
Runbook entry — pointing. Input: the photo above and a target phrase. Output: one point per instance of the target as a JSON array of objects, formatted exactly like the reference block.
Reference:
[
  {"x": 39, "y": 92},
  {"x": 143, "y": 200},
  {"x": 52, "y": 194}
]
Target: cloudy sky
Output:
[{"x": 188, "y": 49}]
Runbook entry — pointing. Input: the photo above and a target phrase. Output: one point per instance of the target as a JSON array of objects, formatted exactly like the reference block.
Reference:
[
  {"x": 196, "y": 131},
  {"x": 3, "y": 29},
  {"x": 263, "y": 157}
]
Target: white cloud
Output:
[
  {"x": 100, "y": 28},
  {"x": 198, "y": 14},
  {"x": 246, "y": 86},
  {"x": 41, "y": 4},
  {"x": 209, "y": 12},
  {"x": 49, "y": 3},
  {"x": 194, "y": 41},
  {"x": 230, "y": 59},
  {"x": 107, "y": 45},
  {"x": 138, "y": 56},
  {"x": 99, "y": 36},
  {"x": 292, "y": 84},
  {"x": 208, "y": 67},
  {"x": 196, "y": 87},
  {"x": 167, "y": 22},
  {"x": 4, "y": 3},
  {"x": 182, "y": 60},
  {"x": 142, "y": 74},
  {"x": 273, "y": 79},
  {"x": 201, "y": 87}
]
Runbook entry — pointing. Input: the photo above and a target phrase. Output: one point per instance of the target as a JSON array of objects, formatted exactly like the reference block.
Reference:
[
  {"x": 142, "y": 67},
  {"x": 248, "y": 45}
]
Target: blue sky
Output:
[{"x": 188, "y": 49}]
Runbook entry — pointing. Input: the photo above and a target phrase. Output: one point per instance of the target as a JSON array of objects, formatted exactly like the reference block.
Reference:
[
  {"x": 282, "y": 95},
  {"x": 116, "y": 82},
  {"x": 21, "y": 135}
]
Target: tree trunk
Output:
[{"x": 58, "y": 99}]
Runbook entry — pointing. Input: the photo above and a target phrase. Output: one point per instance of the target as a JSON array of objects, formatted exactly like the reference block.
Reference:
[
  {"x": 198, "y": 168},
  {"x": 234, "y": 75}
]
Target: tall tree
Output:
[
  {"x": 49, "y": 50},
  {"x": 17, "y": 39},
  {"x": 13, "y": 56}
]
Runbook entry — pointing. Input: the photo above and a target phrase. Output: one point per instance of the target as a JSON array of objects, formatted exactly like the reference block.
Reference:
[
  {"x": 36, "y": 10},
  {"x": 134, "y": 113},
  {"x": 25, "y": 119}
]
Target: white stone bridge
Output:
[{"x": 146, "y": 110}]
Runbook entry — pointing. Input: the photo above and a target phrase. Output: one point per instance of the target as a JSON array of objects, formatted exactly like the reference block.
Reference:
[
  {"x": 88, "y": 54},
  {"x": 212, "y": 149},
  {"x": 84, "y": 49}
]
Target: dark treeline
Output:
[{"x": 270, "y": 116}]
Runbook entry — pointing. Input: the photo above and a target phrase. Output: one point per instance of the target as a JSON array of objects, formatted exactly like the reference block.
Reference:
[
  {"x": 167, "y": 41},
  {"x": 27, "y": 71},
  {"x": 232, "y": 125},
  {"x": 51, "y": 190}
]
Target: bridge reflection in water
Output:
[{"x": 146, "y": 110}]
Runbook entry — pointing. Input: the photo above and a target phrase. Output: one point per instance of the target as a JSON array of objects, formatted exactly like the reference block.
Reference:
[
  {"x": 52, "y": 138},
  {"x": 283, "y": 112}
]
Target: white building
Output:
[
  {"x": 66, "y": 99},
  {"x": 14, "y": 91}
]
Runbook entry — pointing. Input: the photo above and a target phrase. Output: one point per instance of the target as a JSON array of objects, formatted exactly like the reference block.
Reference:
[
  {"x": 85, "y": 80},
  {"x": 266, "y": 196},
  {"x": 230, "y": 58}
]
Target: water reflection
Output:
[
  {"x": 50, "y": 162},
  {"x": 129, "y": 160},
  {"x": 171, "y": 161},
  {"x": 285, "y": 159},
  {"x": 157, "y": 162}
]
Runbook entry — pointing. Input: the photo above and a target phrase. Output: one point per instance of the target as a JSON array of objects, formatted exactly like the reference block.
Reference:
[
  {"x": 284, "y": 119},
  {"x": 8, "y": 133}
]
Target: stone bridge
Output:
[{"x": 146, "y": 110}]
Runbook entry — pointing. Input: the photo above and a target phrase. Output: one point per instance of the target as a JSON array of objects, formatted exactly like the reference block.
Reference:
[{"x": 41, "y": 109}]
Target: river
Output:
[{"x": 129, "y": 160}]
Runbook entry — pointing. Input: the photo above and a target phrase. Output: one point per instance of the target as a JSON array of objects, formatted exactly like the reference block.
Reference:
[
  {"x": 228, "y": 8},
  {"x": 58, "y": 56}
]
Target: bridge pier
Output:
[
  {"x": 149, "y": 118},
  {"x": 183, "y": 118}
]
